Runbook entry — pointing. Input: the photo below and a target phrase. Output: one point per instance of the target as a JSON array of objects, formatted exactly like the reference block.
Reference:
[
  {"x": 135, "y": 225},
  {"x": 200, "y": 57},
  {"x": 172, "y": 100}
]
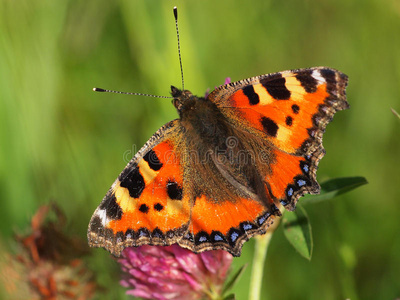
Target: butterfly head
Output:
[{"x": 183, "y": 100}]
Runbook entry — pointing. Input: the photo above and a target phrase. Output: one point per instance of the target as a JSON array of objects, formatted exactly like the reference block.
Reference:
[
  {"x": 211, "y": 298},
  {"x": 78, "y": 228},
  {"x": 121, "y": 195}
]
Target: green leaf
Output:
[
  {"x": 230, "y": 297},
  {"x": 297, "y": 230},
  {"x": 235, "y": 278},
  {"x": 335, "y": 187}
]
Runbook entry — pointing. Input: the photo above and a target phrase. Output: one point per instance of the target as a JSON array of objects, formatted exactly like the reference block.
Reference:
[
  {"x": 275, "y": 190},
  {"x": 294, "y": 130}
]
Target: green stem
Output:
[{"x": 260, "y": 253}]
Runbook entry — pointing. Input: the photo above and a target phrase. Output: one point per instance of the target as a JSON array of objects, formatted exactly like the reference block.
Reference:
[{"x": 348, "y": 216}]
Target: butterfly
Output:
[{"x": 223, "y": 171}]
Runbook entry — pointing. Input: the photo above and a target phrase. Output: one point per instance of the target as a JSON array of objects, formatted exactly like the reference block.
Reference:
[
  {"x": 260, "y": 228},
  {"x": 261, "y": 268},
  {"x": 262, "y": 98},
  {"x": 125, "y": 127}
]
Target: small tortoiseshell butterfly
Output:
[{"x": 220, "y": 173}]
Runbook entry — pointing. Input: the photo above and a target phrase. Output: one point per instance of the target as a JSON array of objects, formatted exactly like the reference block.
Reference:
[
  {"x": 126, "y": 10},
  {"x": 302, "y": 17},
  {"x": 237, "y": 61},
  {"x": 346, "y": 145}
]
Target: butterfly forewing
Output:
[{"x": 146, "y": 204}]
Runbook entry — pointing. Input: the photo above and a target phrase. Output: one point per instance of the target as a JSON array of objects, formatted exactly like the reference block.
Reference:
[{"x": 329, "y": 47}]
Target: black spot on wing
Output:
[
  {"x": 120, "y": 237},
  {"x": 130, "y": 234},
  {"x": 189, "y": 236},
  {"x": 174, "y": 190},
  {"x": 330, "y": 78},
  {"x": 131, "y": 179},
  {"x": 96, "y": 224},
  {"x": 308, "y": 82},
  {"x": 289, "y": 121},
  {"x": 276, "y": 87},
  {"x": 270, "y": 127},
  {"x": 329, "y": 75},
  {"x": 144, "y": 208},
  {"x": 142, "y": 232},
  {"x": 251, "y": 95},
  {"x": 295, "y": 108},
  {"x": 158, "y": 207},
  {"x": 110, "y": 205},
  {"x": 157, "y": 233},
  {"x": 152, "y": 160}
]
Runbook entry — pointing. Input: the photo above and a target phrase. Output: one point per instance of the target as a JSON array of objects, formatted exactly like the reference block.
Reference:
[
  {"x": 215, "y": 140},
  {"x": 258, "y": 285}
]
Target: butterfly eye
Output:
[{"x": 178, "y": 104}]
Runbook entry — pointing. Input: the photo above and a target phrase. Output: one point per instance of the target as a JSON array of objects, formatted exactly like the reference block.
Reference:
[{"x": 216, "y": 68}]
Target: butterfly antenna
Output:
[
  {"x": 179, "y": 44},
  {"x": 180, "y": 63},
  {"x": 125, "y": 93}
]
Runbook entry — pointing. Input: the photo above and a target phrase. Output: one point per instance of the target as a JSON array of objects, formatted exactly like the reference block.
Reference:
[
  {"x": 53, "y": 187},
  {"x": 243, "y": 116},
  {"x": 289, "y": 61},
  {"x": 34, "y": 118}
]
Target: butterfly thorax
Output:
[{"x": 201, "y": 118}]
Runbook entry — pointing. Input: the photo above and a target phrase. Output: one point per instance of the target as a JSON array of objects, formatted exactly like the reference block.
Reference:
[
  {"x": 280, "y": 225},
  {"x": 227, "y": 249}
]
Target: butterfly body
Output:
[{"x": 222, "y": 172}]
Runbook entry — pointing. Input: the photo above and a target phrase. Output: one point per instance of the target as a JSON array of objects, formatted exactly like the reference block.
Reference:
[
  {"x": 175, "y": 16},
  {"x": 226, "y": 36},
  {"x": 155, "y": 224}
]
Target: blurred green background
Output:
[{"x": 60, "y": 141}]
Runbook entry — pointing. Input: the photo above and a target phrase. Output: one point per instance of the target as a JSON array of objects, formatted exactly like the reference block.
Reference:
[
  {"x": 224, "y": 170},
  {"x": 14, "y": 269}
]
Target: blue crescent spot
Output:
[
  {"x": 247, "y": 226},
  {"x": 217, "y": 237},
  {"x": 261, "y": 220},
  {"x": 301, "y": 182},
  {"x": 305, "y": 168},
  {"x": 234, "y": 236},
  {"x": 202, "y": 239},
  {"x": 290, "y": 192}
]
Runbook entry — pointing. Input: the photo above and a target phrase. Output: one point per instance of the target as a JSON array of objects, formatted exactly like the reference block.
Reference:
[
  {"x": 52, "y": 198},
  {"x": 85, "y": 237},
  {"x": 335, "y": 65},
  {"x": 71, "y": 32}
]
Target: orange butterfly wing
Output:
[
  {"x": 145, "y": 205},
  {"x": 152, "y": 202},
  {"x": 226, "y": 225},
  {"x": 290, "y": 109}
]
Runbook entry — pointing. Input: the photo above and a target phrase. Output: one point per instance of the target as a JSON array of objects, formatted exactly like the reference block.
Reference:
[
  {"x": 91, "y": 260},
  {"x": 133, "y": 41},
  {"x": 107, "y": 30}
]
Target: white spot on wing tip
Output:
[
  {"x": 101, "y": 213},
  {"x": 317, "y": 75}
]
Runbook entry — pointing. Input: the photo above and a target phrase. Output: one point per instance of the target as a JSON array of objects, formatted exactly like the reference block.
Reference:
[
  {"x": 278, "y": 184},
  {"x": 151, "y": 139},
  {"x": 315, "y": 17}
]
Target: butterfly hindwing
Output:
[
  {"x": 293, "y": 176},
  {"x": 225, "y": 225}
]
